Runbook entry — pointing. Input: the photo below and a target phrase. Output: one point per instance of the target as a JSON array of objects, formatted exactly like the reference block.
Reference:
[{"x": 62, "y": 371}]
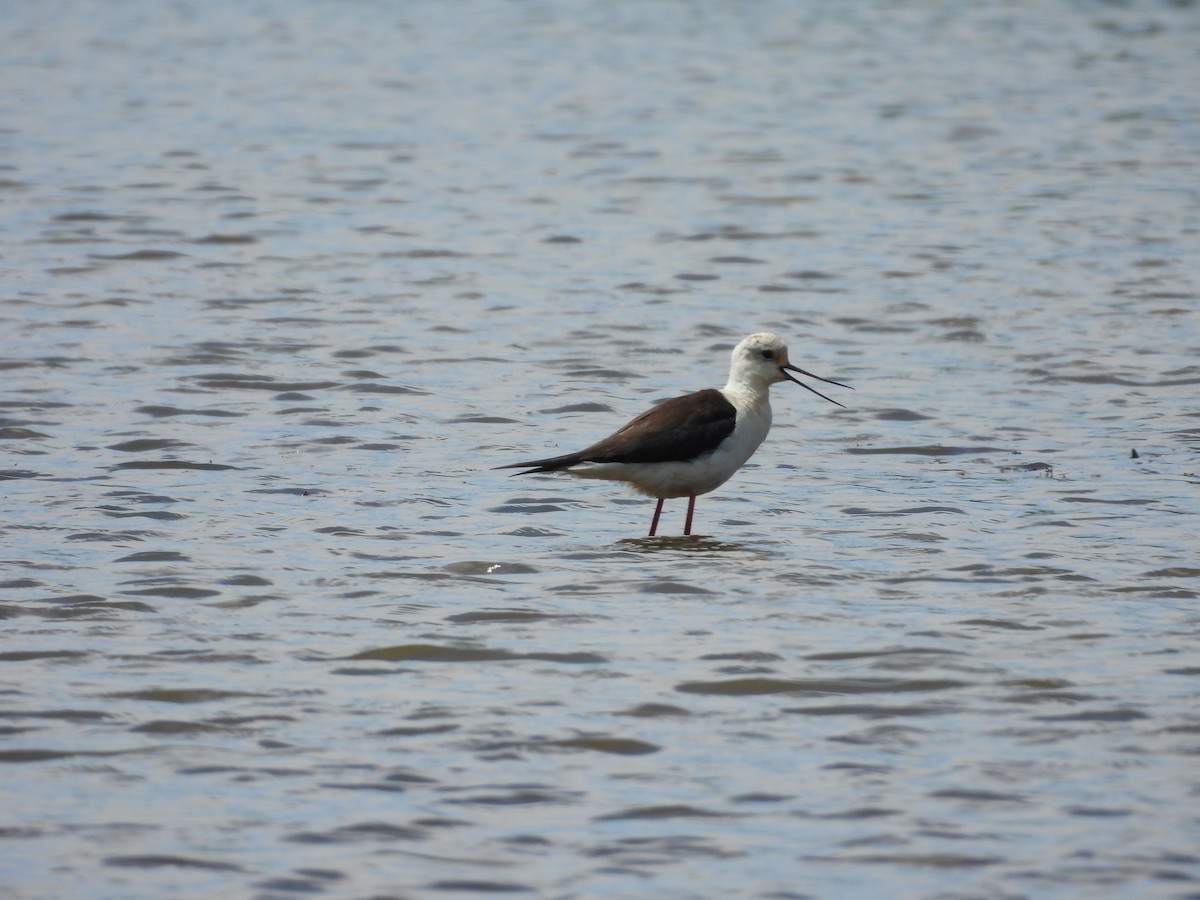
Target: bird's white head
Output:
[{"x": 761, "y": 360}]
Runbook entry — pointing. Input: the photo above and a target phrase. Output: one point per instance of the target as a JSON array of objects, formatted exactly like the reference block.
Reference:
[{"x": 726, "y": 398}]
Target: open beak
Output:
[{"x": 788, "y": 367}]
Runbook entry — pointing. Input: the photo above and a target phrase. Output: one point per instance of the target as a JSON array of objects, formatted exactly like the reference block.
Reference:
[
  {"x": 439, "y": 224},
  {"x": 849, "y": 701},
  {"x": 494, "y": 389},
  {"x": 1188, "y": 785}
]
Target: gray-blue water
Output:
[{"x": 281, "y": 282}]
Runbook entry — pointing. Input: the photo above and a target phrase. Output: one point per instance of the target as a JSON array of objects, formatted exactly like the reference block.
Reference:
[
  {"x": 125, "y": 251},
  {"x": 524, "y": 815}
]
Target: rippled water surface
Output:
[{"x": 283, "y": 281}]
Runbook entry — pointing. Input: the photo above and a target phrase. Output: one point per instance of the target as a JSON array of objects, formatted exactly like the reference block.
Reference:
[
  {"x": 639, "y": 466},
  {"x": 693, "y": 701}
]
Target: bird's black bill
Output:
[{"x": 791, "y": 368}]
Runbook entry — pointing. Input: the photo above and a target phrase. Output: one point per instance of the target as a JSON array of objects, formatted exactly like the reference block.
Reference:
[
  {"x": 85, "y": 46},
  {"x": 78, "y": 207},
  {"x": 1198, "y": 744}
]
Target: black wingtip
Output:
[
  {"x": 527, "y": 467},
  {"x": 539, "y": 466},
  {"x": 523, "y": 471}
]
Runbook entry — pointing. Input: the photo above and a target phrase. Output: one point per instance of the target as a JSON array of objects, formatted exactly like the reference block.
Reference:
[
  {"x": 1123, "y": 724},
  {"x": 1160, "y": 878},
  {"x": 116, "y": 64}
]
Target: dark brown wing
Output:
[{"x": 678, "y": 429}]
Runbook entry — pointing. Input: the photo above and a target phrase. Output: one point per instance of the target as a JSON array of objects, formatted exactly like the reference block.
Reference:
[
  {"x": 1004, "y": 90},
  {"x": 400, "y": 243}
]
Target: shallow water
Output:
[{"x": 282, "y": 283}]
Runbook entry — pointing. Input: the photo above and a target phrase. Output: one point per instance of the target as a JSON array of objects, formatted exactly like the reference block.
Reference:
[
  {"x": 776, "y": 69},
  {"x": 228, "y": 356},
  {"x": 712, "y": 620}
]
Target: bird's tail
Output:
[{"x": 552, "y": 464}]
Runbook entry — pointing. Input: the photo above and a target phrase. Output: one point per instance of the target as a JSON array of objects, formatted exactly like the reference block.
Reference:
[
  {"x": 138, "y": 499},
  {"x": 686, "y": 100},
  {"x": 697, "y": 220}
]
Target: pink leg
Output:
[
  {"x": 687, "y": 525},
  {"x": 654, "y": 521}
]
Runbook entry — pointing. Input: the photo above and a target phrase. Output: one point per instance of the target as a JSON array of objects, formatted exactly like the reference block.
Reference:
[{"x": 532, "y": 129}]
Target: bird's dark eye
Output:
[{"x": 768, "y": 354}]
